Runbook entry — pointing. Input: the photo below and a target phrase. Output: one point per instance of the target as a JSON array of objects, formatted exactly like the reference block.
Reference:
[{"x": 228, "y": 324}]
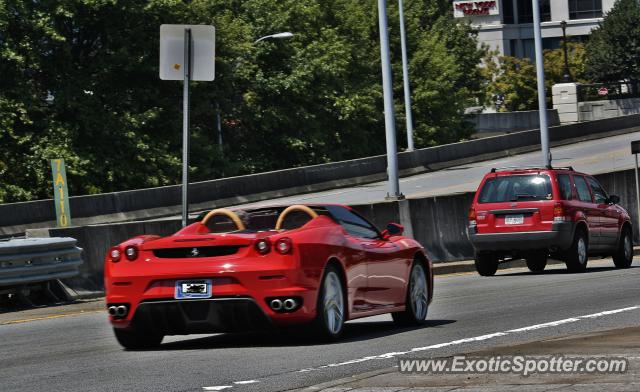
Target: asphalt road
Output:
[
  {"x": 593, "y": 157},
  {"x": 79, "y": 353}
]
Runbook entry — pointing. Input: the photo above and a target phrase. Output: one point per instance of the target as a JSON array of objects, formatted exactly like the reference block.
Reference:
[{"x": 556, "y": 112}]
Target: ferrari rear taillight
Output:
[
  {"x": 115, "y": 254},
  {"x": 263, "y": 246},
  {"x": 131, "y": 252},
  {"x": 283, "y": 245},
  {"x": 558, "y": 213}
]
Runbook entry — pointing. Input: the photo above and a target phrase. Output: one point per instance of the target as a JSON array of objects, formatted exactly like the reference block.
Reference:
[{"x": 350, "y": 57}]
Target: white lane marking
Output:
[
  {"x": 245, "y": 382},
  {"x": 217, "y": 388},
  {"x": 546, "y": 325},
  {"x": 474, "y": 339}
]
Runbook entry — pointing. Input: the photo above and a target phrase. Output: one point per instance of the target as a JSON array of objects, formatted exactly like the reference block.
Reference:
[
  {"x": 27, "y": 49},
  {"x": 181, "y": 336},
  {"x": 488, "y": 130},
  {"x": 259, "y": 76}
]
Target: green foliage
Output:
[
  {"x": 515, "y": 78},
  {"x": 613, "y": 50},
  {"x": 309, "y": 99}
]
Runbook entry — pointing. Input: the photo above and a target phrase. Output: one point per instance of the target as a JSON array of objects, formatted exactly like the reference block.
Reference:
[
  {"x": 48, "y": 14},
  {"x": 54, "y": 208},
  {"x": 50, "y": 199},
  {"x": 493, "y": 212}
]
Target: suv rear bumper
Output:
[{"x": 560, "y": 236}]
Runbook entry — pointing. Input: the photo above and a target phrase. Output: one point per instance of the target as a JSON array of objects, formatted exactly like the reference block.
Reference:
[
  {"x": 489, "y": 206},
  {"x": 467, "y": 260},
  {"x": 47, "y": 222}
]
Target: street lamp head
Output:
[
  {"x": 285, "y": 34},
  {"x": 282, "y": 35}
]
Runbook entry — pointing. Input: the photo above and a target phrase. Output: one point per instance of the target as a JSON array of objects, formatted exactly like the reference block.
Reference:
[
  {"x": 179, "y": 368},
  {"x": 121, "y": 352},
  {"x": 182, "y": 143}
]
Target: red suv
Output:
[{"x": 536, "y": 213}]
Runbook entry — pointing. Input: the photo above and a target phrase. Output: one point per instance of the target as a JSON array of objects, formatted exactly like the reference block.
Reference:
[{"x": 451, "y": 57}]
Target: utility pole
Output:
[
  {"x": 389, "y": 117},
  {"x": 405, "y": 78},
  {"x": 542, "y": 99}
]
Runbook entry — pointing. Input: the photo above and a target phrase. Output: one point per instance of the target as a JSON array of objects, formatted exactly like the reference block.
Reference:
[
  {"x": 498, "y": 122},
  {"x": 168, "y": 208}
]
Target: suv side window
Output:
[
  {"x": 583, "y": 189},
  {"x": 564, "y": 184},
  {"x": 598, "y": 193},
  {"x": 352, "y": 223}
]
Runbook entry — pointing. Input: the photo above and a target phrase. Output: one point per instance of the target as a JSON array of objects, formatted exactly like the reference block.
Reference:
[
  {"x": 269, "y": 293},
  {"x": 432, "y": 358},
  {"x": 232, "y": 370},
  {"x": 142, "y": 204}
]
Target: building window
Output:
[
  {"x": 513, "y": 47},
  {"x": 585, "y": 9},
  {"x": 507, "y": 11},
  {"x": 525, "y": 11}
]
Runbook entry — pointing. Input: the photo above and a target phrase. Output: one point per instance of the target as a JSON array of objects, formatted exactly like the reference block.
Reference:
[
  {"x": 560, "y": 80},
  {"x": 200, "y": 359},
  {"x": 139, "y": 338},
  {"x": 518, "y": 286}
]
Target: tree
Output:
[
  {"x": 80, "y": 82},
  {"x": 515, "y": 80},
  {"x": 613, "y": 50},
  {"x": 513, "y": 84}
]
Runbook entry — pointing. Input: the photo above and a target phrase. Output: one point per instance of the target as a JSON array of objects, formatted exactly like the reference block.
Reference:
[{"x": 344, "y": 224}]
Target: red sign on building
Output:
[{"x": 475, "y": 8}]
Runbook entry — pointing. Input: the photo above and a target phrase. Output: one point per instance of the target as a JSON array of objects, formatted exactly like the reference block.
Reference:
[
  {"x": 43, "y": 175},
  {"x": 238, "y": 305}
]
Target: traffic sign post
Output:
[
  {"x": 60, "y": 193},
  {"x": 187, "y": 52},
  {"x": 635, "y": 150}
]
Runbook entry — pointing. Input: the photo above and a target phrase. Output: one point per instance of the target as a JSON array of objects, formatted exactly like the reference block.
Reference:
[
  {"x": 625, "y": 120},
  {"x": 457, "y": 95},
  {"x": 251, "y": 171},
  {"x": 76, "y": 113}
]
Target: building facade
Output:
[{"x": 506, "y": 25}]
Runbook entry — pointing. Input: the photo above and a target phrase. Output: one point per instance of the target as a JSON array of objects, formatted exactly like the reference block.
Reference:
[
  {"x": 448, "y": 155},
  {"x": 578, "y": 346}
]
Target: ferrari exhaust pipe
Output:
[
  {"x": 276, "y": 304},
  {"x": 121, "y": 311},
  {"x": 112, "y": 311},
  {"x": 289, "y": 304}
]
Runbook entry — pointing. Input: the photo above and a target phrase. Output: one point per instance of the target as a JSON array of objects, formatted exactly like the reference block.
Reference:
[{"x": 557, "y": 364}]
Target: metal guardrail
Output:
[{"x": 34, "y": 260}]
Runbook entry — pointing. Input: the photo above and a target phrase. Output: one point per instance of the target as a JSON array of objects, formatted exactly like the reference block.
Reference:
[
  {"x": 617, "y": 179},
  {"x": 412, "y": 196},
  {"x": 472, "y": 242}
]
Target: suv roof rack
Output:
[{"x": 493, "y": 170}]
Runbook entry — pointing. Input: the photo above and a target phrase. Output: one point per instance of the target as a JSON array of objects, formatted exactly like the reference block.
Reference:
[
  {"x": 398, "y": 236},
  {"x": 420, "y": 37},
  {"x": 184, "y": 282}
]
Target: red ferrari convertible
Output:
[{"x": 251, "y": 269}]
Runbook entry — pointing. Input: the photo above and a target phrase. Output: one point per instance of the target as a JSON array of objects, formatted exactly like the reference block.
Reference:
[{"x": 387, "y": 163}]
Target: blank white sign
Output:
[{"x": 202, "y": 53}]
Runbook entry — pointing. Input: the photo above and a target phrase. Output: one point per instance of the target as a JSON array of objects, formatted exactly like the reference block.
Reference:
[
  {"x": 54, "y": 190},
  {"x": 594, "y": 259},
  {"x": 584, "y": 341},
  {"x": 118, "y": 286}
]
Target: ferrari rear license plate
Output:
[
  {"x": 514, "y": 219},
  {"x": 193, "y": 289}
]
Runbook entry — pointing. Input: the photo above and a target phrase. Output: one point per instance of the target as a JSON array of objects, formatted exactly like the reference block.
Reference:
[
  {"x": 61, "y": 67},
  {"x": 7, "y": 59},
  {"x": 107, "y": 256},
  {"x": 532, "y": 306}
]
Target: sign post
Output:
[
  {"x": 187, "y": 52},
  {"x": 635, "y": 150},
  {"x": 60, "y": 193}
]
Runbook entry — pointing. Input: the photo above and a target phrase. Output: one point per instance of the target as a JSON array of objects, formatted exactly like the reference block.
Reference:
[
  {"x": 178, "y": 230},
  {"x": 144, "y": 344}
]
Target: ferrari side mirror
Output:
[{"x": 394, "y": 229}]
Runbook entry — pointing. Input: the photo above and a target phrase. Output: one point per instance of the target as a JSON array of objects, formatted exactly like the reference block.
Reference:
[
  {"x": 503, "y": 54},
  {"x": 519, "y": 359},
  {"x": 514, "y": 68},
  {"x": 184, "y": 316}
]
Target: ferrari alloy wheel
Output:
[
  {"x": 331, "y": 305},
  {"x": 417, "y": 301},
  {"x": 624, "y": 256},
  {"x": 133, "y": 340}
]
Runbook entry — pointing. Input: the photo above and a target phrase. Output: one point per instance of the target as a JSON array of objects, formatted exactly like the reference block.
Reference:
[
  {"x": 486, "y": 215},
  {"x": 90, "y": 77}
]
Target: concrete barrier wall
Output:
[
  {"x": 151, "y": 203},
  {"x": 511, "y": 121},
  {"x": 597, "y": 110}
]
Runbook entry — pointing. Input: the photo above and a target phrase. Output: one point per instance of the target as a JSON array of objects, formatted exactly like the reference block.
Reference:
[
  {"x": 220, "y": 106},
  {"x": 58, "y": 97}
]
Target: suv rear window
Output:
[{"x": 516, "y": 188}]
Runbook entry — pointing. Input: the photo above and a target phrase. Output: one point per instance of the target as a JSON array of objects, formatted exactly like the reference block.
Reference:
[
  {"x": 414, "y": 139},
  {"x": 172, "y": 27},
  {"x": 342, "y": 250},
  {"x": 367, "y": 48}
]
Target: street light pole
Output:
[
  {"x": 542, "y": 99},
  {"x": 405, "y": 77},
  {"x": 566, "y": 77},
  {"x": 389, "y": 117}
]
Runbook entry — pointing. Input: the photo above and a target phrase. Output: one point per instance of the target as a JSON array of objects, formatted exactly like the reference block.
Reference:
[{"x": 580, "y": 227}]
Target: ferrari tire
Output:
[
  {"x": 417, "y": 299},
  {"x": 577, "y": 255},
  {"x": 624, "y": 255},
  {"x": 486, "y": 264},
  {"x": 536, "y": 262},
  {"x": 331, "y": 307},
  {"x": 134, "y": 340}
]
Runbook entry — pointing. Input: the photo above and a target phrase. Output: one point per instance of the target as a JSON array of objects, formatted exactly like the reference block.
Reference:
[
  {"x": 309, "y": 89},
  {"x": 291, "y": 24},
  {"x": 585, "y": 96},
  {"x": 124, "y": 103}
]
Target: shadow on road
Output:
[
  {"x": 353, "y": 332},
  {"x": 563, "y": 271}
]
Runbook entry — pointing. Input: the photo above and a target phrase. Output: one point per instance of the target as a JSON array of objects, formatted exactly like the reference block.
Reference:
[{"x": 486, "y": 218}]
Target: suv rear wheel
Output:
[
  {"x": 624, "y": 255},
  {"x": 577, "y": 255},
  {"x": 537, "y": 261},
  {"x": 486, "y": 263}
]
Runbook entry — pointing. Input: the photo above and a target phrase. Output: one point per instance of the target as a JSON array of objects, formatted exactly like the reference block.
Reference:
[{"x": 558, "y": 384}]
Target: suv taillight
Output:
[
  {"x": 472, "y": 217},
  {"x": 558, "y": 213}
]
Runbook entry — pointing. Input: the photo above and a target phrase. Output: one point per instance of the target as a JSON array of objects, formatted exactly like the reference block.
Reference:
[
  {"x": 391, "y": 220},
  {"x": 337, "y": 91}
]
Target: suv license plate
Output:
[
  {"x": 193, "y": 289},
  {"x": 514, "y": 219}
]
